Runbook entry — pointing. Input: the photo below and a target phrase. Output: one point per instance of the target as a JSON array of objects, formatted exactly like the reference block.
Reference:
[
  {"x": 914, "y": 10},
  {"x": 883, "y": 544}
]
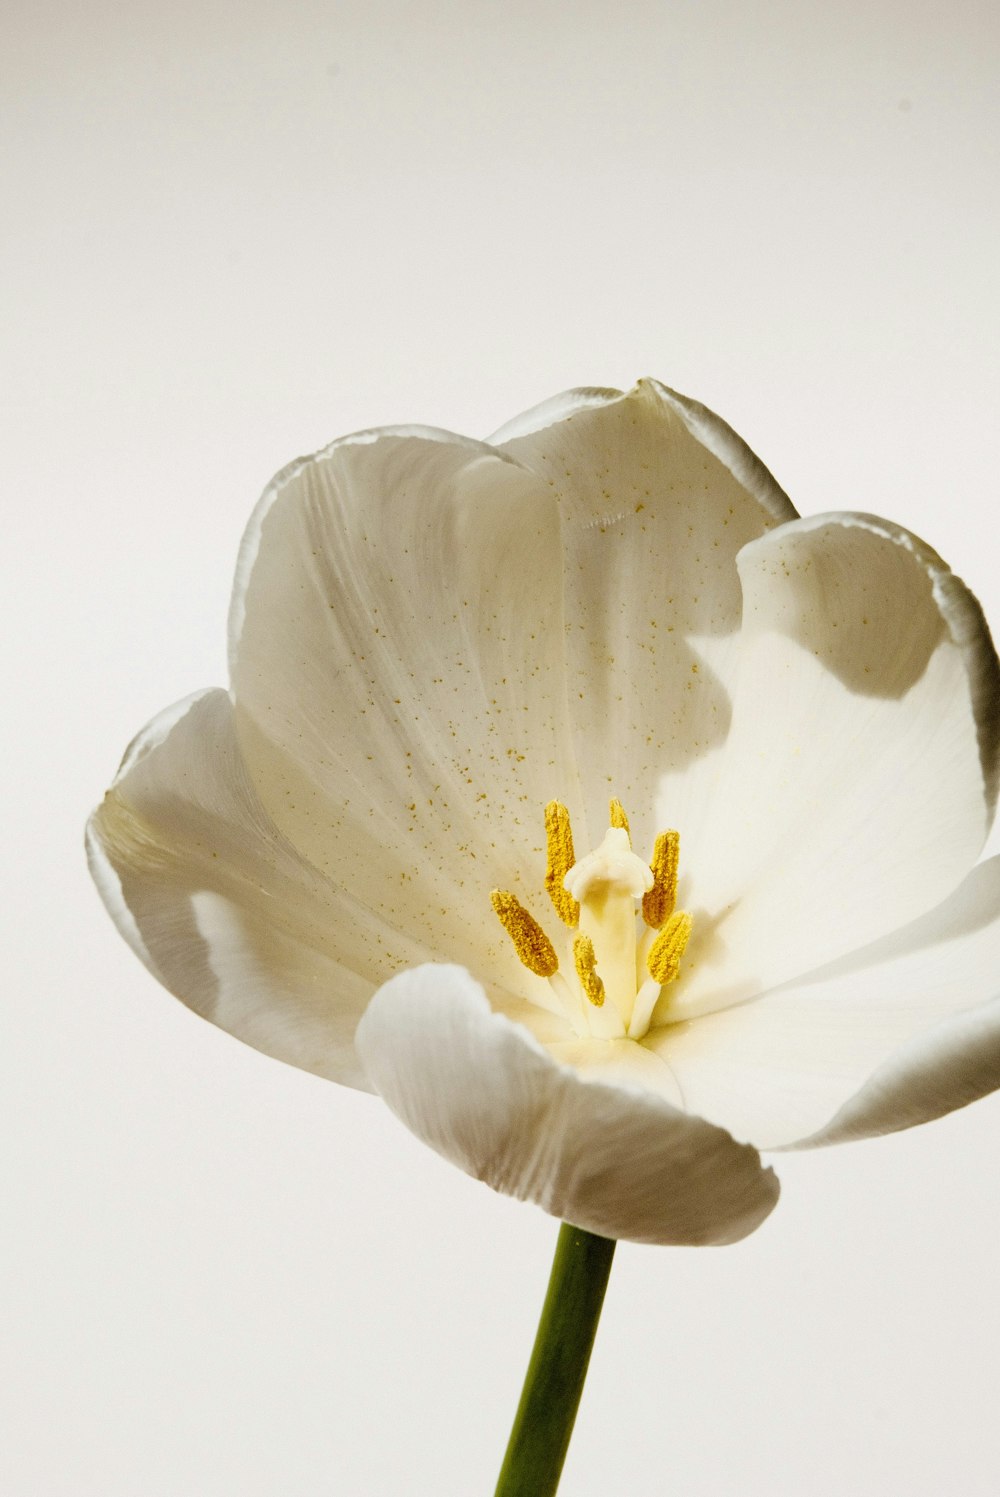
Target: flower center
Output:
[{"x": 621, "y": 960}]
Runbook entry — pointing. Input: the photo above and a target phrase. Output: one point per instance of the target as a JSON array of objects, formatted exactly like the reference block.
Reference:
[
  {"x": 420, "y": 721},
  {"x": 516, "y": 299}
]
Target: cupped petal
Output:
[
  {"x": 859, "y": 778},
  {"x": 223, "y": 910},
  {"x": 899, "y": 1033},
  {"x": 610, "y": 1158},
  {"x": 398, "y": 673},
  {"x": 656, "y": 497}
]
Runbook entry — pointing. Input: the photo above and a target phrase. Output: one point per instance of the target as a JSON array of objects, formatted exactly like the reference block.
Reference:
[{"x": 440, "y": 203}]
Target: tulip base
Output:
[{"x": 559, "y": 1360}]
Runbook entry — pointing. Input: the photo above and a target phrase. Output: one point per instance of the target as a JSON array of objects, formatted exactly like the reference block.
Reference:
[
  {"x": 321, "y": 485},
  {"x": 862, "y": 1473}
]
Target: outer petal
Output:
[
  {"x": 397, "y": 667},
  {"x": 611, "y": 1159},
  {"x": 223, "y": 910},
  {"x": 858, "y": 782},
  {"x": 656, "y": 497},
  {"x": 894, "y": 1035}
]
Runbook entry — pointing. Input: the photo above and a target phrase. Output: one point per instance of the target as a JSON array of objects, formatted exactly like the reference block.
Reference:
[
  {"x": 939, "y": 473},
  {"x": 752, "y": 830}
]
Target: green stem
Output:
[{"x": 559, "y": 1359}]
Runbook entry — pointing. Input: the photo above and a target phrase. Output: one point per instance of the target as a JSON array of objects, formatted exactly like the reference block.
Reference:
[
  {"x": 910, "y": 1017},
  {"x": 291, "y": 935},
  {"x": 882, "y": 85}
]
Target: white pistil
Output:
[
  {"x": 598, "y": 898},
  {"x": 607, "y": 884}
]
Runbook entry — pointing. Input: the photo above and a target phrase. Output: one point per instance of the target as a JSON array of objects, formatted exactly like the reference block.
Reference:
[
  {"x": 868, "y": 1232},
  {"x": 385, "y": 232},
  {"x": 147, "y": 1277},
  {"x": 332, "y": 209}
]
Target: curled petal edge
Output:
[
  {"x": 949, "y": 1067},
  {"x": 284, "y": 480},
  {"x": 714, "y": 434}
]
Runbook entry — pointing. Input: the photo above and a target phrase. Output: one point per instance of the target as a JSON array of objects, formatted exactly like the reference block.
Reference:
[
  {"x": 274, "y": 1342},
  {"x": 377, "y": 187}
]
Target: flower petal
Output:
[
  {"x": 858, "y": 782},
  {"x": 894, "y": 1035},
  {"x": 398, "y": 673},
  {"x": 656, "y": 496},
  {"x": 223, "y": 910},
  {"x": 610, "y": 1158}
]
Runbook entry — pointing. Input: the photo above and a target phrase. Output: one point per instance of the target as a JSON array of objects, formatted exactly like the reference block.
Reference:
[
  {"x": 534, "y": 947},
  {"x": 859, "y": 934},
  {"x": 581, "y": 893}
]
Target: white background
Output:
[{"x": 233, "y": 232}]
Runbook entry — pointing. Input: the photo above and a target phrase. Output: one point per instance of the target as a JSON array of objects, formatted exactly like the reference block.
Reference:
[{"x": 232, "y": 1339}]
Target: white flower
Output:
[{"x": 447, "y": 657}]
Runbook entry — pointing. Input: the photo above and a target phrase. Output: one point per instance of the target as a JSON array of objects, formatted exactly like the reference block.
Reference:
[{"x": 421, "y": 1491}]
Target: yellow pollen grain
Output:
[
  {"x": 617, "y": 817},
  {"x": 585, "y": 961},
  {"x": 559, "y": 860},
  {"x": 664, "y": 959},
  {"x": 658, "y": 903},
  {"x": 530, "y": 942}
]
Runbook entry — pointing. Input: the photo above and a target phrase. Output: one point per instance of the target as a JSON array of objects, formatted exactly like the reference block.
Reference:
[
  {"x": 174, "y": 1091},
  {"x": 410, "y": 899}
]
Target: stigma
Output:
[{"x": 628, "y": 938}]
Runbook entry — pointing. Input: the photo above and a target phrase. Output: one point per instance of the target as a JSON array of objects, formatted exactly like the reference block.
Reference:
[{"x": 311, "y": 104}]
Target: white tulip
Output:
[{"x": 447, "y": 657}]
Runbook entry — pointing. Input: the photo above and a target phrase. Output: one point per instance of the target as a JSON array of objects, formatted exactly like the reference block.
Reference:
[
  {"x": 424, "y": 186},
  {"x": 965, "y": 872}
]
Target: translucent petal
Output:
[
  {"x": 858, "y": 781},
  {"x": 656, "y": 497},
  {"x": 397, "y": 666}
]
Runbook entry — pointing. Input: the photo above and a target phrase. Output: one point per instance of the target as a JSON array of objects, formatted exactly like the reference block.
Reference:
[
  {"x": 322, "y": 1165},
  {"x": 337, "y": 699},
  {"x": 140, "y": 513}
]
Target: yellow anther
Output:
[
  {"x": 530, "y": 942},
  {"x": 664, "y": 959},
  {"x": 658, "y": 903},
  {"x": 617, "y": 817},
  {"x": 585, "y": 961},
  {"x": 559, "y": 839}
]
